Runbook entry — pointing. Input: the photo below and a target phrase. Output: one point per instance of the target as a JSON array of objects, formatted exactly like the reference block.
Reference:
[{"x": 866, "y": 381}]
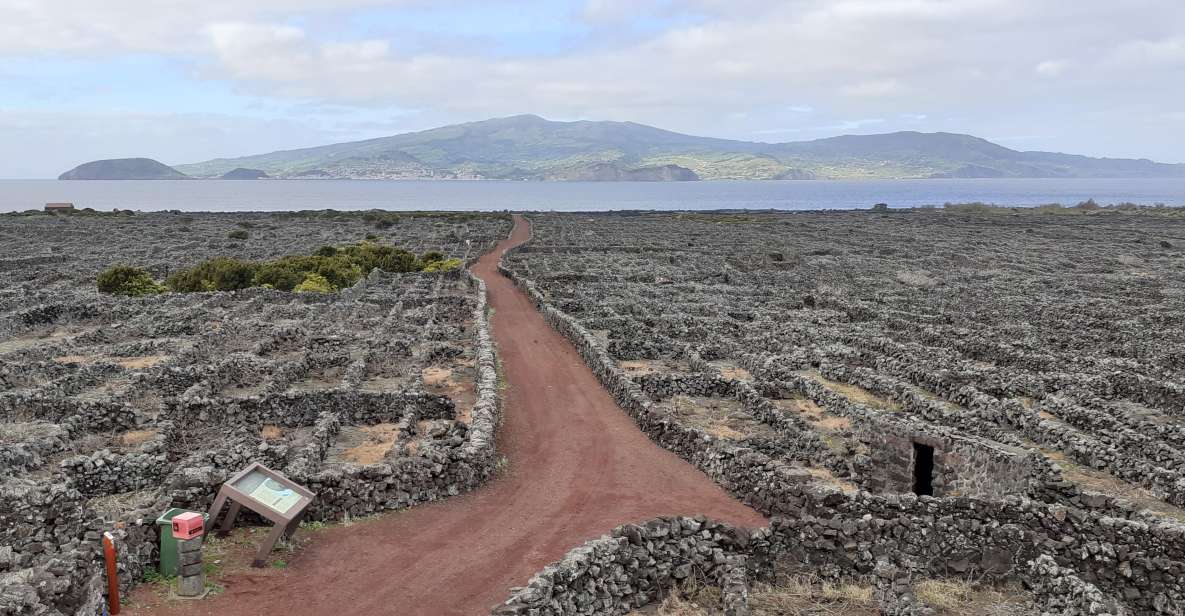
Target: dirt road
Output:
[{"x": 578, "y": 467}]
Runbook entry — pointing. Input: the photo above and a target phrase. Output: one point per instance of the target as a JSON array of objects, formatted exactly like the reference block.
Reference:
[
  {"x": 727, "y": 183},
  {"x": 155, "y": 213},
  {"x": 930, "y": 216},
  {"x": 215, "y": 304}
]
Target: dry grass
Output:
[
  {"x": 131, "y": 363},
  {"x": 961, "y": 598},
  {"x": 31, "y": 340},
  {"x": 827, "y": 477},
  {"x": 377, "y": 441},
  {"x": 815, "y": 415},
  {"x": 139, "y": 363},
  {"x": 690, "y": 599},
  {"x": 725, "y": 432},
  {"x": 803, "y": 595},
  {"x": 721, "y": 417},
  {"x": 435, "y": 376},
  {"x": 452, "y": 383},
  {"x": 134, "y": 438},
  {"x": 855, "y": 393},
  {"x": 1094, "y": 480}
]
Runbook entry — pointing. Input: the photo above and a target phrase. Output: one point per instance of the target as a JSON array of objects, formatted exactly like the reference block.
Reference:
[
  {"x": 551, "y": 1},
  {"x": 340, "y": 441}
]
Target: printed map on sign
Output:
[{"x": 273, "y": 494}]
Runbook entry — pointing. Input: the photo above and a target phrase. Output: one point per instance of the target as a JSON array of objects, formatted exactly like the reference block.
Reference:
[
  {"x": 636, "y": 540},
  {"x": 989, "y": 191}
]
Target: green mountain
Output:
[
  {"x": 530, "y": 147},
  {"x": 123, "y": 169}
]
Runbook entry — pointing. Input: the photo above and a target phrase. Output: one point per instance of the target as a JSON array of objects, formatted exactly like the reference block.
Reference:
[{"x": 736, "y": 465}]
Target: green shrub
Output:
[
  {"x": 326, "y": 271},
  {"x": 240, "y": 234},
  {"x": 217, "y": 274},
  {"x": 446, "y": 265},
  {"x": 125, "y": 280},
  {"x": 314, "y": 283},
  {"x": 369, "y": 255},
  {"x": 286, "y": 273}
]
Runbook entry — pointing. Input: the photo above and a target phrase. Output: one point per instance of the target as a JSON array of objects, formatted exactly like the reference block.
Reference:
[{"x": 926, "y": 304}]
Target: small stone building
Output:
[
  {"x": 945, "y": 465},
  {"x": 59, "y": 207}
]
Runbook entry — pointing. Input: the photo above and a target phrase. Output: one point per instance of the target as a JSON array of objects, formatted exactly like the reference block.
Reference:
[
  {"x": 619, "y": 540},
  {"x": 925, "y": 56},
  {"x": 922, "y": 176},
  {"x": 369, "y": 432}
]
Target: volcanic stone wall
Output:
[
  {"x": 636, "y": 565},
  {"x": 113, "y": 409},
  {"x": 1137, "y": 562}
]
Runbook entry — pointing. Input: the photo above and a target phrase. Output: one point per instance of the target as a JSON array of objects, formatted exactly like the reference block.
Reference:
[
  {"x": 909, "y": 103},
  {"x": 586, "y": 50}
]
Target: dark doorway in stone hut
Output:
[{"x": 923, "y": 470}]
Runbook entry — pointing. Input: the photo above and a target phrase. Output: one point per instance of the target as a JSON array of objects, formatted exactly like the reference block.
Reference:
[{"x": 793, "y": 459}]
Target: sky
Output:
[{"x": 184, "y": 81}]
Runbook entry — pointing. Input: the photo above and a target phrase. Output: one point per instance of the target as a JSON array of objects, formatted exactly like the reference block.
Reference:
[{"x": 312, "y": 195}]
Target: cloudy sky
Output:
[{"x": 185, "y": 80}]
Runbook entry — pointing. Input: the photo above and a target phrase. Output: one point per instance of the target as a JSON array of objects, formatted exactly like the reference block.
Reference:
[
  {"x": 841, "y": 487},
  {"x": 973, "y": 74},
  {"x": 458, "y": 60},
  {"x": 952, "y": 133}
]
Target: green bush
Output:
[
  {"x": 125, "y": 280},
  {"x": 328, "y": 270},
  {"x": 314, "y": 283},
  {"x": 447, "y": 265},
  {"x": 240, "y": 234},
  {"x": 286, "y": 273},
  {"x": 217, "y": 274},
  {"x": 369, "y": 255}
]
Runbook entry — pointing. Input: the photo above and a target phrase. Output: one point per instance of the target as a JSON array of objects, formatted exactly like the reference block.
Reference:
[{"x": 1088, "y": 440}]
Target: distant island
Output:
[
  {"x": 528, "y": 147},
  {"x": 123, "y": 169}
]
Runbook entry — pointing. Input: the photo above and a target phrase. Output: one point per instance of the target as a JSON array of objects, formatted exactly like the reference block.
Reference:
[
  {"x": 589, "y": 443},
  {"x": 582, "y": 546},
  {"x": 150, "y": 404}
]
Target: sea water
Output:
[{"x": 270, "y": 195}]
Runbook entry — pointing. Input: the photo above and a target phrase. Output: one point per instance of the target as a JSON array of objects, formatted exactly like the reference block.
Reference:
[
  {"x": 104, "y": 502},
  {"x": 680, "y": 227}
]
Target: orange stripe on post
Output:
[{"x": 112, "y": 575}]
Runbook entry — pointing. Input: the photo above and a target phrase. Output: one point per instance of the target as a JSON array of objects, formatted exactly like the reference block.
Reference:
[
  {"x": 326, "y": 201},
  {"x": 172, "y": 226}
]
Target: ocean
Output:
[{"x": 272, "y": 195}]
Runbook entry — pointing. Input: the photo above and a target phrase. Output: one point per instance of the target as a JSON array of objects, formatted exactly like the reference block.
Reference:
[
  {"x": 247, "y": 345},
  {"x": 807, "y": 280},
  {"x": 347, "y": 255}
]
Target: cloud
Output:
[
  {"x": 1167, "y": 52},
  {"x": 1051, "y": 68},
  {"x": 113, "y": 26},
  {"x": 874, "y": 89},
  {"x": 722, "y": 67},
  {"x": 616, "y": 11},
  {"x": 42, "y": 144}
]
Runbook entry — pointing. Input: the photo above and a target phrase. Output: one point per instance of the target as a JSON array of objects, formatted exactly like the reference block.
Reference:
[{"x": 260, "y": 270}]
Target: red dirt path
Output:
[{"x": 578, "y": 467}]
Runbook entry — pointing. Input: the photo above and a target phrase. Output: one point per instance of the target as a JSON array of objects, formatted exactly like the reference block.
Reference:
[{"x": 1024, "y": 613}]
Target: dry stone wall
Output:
[
  {"x": 115, "y": 409},
  {"x": 1112, "y": 556}
]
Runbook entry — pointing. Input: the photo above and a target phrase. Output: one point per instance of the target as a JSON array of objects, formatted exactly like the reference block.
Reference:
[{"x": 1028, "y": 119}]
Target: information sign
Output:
[{"x": 267, "y": 493}]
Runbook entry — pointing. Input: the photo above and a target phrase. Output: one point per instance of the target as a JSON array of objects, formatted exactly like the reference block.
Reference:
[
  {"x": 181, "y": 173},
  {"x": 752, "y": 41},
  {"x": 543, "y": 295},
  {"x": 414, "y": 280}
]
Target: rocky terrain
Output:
[
  {"x": 945, "y": 412},
  {"x": 985, "y": 398},
  {"x": 113, "y": 409}
]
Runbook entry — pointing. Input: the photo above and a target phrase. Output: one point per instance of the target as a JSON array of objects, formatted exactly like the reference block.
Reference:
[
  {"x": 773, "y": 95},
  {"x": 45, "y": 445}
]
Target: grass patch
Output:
[
  {"x": 953, "y": 597},
  {"x": 802, "y": 595}
]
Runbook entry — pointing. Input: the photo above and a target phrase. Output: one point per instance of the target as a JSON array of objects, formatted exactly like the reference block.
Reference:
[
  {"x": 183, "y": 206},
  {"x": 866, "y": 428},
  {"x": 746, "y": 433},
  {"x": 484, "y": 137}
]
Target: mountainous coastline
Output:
[{"x": 528, "y": 147}]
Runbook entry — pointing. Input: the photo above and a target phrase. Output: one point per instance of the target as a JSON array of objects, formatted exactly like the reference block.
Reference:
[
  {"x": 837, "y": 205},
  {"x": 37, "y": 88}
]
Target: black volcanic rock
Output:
[
  {"x": 244, "y": 174},
  {"x": 123, "y": 169}
]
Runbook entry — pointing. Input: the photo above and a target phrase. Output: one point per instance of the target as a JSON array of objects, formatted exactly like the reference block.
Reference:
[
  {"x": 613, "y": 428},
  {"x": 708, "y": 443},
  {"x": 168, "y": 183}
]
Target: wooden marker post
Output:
[{"x": 112, "y": 574}]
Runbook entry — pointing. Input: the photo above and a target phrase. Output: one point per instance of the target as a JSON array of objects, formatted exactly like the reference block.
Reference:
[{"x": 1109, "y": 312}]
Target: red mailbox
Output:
[{"x": 188, "y": 525}]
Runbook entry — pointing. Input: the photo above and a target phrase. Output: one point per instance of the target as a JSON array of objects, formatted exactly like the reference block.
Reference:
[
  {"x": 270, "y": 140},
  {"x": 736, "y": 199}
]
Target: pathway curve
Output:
[{"x": 578, "y": 467}]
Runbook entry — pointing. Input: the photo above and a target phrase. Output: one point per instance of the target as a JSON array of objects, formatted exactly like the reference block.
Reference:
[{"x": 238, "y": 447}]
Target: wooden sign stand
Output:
[{"x": 267, "y": 493}]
